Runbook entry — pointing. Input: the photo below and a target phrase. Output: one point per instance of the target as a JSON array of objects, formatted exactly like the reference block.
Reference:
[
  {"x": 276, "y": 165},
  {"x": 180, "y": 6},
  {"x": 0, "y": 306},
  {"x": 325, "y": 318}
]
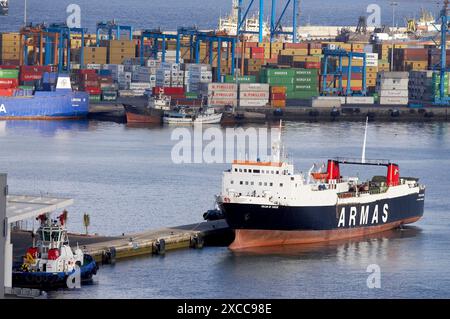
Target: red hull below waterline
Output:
[
  {"x": 133, "y": 118},
  {"x": 249, "y": 238}
]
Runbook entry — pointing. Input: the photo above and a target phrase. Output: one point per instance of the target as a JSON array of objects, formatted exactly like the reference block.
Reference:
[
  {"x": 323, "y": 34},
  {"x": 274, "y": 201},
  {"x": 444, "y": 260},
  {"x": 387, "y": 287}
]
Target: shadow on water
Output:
[{"x": 45, "y": 128}]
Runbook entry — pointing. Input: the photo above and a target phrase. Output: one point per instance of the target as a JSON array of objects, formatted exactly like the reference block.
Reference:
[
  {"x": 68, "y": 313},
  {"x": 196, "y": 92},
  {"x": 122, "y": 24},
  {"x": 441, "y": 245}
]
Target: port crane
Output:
[
  {"x": 113, "y": 28},
  {"x": 443, "y": 99},
  {"x": 275, "y": 20}
]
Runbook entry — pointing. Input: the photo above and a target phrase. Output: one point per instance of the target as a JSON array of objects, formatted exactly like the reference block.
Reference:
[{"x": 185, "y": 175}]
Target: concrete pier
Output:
[{"x": 110, "y": 249}]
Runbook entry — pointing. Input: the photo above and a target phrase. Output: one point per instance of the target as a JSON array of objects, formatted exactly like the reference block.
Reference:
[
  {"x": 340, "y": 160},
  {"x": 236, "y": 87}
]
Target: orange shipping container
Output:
[
  {"x": 279, "y": 103},
  {"x": 278, "y": 89}
]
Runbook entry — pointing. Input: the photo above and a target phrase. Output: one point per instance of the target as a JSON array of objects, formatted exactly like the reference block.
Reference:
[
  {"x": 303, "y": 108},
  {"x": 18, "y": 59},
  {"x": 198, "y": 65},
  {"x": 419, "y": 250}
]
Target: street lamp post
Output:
[{"x": 393, "y": 5}]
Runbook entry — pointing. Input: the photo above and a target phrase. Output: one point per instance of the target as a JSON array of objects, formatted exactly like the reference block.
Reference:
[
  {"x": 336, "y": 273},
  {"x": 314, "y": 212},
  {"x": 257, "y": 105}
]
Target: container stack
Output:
[
  {"x": 436, "y": 84},
  {"x": 421, "y": 86},
  {"x": 9, "y": 81},
  {"x": 254, "y": 95},
  {"x": 92, "y": 55},
  {"x": 371, "y": 70},
  {"x": 392, "y": 88},
  {"x": 10, "y": 48},
  {"x": 299, "y": 83},
  {"x": 88, "y": 82},
  {"x": 29, "y": 75},
  {"x": 240, "y": 79},
  {"x": 278, "y": 96},
  {"x": 119, "y": 50},
  {"x": 169, "y": 75},
  {"x": 222, "y": 94},
  {"x": 198, "y": 78},
  {"x": 413, "y": 59}
]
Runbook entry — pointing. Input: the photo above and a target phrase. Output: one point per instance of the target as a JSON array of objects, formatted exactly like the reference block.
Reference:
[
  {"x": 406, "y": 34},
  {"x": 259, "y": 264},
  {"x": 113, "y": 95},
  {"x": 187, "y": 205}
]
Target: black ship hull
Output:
[{"x": 263, "y": 225}]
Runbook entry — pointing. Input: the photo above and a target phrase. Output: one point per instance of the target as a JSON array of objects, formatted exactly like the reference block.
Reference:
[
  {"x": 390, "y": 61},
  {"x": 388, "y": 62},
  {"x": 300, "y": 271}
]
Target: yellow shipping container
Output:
[
  {"x": 355, "y": 62},
  {"x": 306, "y": 58},
  {"x": 371, "y": 69},
  {"x": 371, "y": 75},
  {"x": 371, "y": 82},
  {"x": 122, "y": 44},
  {"x": 315, "y": 51},
  {"x": 416, "y": 65},
  {"x": 10, "y": 36}
]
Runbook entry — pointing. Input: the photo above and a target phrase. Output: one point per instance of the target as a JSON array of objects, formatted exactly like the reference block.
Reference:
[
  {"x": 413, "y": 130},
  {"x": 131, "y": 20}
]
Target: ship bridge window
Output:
[
  {"x": 292, "y": 178},
  {"x": 265, "y": 183},
  {"x": 256, "y": 171},
  {"x": 246, "y": 183},
  {"x": 278, "y": 172},
  {"x": 260, "y": 183},
  {"x": 245, "y": 170},
  {"x": 235, "y": 169},
  {"x": 231, "y": 182},
  {"x": 241, "y": 183},
  {"x": 252, "y": 183},
  {"x": 271, "y": 184},
  {"x": 281, "y": 184},
  {"x": 240, "y": 170}
]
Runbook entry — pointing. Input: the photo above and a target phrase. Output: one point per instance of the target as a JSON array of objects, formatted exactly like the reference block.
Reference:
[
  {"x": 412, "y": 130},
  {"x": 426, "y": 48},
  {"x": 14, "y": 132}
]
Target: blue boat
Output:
[{"x": 58, "y": 104}]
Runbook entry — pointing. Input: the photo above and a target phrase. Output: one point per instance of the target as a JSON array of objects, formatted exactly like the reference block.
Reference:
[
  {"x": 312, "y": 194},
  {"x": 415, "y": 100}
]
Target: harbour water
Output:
[
  {"x": 125, "y": 178},
  {"x": 169, "y": 14}
]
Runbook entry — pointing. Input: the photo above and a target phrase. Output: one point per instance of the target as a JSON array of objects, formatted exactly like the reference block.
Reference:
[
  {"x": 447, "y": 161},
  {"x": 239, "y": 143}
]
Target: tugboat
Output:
[
  {"x": 268, "y": 204},
  {"x": 48, "y": 264},
  {"x": 150, "y": 114}
]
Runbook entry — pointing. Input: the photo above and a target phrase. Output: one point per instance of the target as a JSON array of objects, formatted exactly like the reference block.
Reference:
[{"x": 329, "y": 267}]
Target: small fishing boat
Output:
[
  {"x": 189, "y": 116},
  {"x": 51, "y": 263}
]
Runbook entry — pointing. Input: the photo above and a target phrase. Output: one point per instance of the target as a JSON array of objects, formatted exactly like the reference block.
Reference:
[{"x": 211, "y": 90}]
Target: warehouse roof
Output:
[{"x": 24, "y": 207}]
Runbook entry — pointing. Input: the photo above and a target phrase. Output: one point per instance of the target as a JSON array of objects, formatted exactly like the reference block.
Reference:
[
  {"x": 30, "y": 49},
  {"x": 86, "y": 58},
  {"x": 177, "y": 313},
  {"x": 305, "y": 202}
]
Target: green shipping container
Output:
[
  {"x": 299, "y": 80},
  {"x": 301, "y": 94},
  {"x": 305, "y": 87},
  {"x": 275, "y": 81},
  {"x": 191, "y": 95},
  {"x": 240, "y": 79},
  {"x": 9, "y": 74},
  {"x": 95, "y": 98}
]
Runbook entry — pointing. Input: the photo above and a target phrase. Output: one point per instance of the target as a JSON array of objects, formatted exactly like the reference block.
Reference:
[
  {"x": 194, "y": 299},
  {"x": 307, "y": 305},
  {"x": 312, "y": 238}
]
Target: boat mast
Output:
[{"x": 363, "y": 156}]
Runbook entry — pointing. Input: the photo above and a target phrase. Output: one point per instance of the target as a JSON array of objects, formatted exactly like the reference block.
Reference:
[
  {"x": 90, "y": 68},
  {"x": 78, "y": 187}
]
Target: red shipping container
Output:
[
  {"x": 168, "y": 90},
  {"x": 7, "y": 62},
  {"x": 296, "y": 45},
  {"x": 257, "y": 50},
  {"x": 7, "y": 92},
  {"x": 87, "y": 71},
  {"x": 258, "y": 56},
  {"x": 273, "y": 60},
  {"x": 35, "y": 68},
  {"x": 251, "y": 44},
  {"x": 278, "y": 96},
  {"x": 93, "y": 90},
  {"x": 312, "y": 65},
  {"x": 8, "y": 67},
  {"x": 9, "y": 83}
]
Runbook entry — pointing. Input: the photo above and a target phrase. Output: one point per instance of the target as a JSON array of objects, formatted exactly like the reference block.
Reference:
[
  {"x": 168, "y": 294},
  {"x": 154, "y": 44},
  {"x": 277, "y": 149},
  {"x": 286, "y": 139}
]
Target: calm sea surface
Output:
[
  {"x": 125, "y": 178},
  {"x": 169, "y": 14}
]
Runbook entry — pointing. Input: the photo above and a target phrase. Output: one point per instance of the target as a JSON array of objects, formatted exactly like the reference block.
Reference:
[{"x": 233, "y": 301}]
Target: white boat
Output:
[{"x": 184, "y": 116}]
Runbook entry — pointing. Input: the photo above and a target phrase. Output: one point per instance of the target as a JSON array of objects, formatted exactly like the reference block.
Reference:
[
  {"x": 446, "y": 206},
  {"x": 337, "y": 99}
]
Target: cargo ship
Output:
[
  {"x": 268, "y": 204},
  {"x": 58, "y": 104}
]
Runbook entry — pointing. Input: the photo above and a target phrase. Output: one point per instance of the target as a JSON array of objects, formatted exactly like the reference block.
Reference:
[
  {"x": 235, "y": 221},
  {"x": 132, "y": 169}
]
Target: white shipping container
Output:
[
  {"x": 360, "y": 100},
  {"x": 92, "y": 66},
  {"x": 255, "y": 103},
  {"x": 372, "y": 63},
  {"x": 327, "y": 98},
  {"x": 393, "y": 93},
  {"x": 222, "y": 102},
  {"x": 326, "y": 103},
  {"x": 394, "y": 100},
  {"x": 372, "y": 56},
  {"x": 262, "y": 95},
  {"x": 222, "y": 86},
  {"x": 400, "y": 83},
  {"x": 222, "y": 94},
  {"x": 254, "y": 87}
]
